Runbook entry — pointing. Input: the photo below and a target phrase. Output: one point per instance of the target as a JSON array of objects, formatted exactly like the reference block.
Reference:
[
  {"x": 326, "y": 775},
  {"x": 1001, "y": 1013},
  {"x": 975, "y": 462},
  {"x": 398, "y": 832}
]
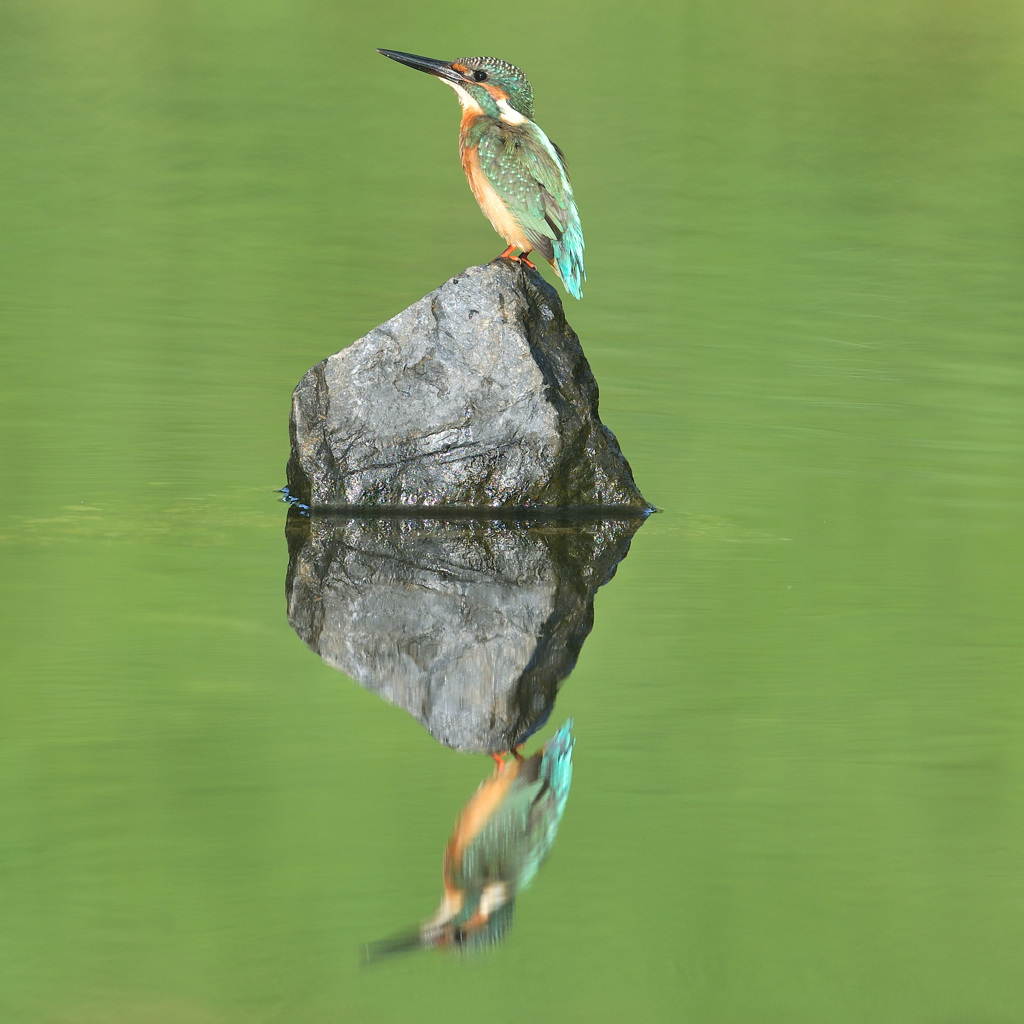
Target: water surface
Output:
[{"x": 799, "y": 782}]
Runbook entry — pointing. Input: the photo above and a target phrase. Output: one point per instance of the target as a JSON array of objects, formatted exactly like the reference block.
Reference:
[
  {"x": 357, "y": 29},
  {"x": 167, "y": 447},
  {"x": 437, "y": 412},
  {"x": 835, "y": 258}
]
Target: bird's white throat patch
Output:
[
  {"x": 509, "y": 114},
  {"x": 467, "y": 101}
]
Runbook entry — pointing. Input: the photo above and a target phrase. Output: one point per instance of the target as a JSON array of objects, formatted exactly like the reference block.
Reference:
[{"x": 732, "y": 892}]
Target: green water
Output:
[{"x": 799, "y": 786}]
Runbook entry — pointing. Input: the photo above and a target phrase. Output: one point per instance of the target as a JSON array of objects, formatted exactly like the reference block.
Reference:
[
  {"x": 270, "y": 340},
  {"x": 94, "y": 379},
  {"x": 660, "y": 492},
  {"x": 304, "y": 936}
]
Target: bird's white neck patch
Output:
[
  {"x": 510, "y": 115},
  {"x": 493, "y": 896},
  {"x": 467, "y": 101}
]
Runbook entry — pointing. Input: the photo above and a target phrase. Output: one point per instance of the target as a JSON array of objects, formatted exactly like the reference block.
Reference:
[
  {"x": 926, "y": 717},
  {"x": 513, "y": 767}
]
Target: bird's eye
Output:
[{"x": 479, "y": 76}]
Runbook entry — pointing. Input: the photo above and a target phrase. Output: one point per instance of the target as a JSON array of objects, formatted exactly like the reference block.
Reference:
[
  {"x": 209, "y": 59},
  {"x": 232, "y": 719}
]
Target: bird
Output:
[
  {"x": 517, "y": 174},
  {"x": 500, "y": 840}
]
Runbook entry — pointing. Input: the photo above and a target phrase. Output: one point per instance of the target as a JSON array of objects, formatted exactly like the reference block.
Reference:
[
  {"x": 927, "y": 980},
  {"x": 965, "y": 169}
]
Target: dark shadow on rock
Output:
[{"x": 470, "y": 625}]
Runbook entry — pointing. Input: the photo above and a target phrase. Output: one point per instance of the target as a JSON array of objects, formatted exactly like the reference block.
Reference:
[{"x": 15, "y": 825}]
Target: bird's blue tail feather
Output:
[
  {"x": 569, "y": 255},
  {"x": 556, "y": 766}
]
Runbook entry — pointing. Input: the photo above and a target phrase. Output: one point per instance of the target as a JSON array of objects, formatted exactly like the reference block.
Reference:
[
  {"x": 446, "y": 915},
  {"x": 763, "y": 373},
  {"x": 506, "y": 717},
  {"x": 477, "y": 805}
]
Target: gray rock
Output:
[
  {"x": 479, "y": 395},
  {"x": 469, "y": 625}
]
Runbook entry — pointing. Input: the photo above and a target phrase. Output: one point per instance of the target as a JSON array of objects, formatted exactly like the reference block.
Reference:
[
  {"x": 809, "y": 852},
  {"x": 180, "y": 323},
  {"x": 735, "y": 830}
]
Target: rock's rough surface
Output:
[
  {"x": 479, "y": 395},
  {"x": 469, "y": 625}
]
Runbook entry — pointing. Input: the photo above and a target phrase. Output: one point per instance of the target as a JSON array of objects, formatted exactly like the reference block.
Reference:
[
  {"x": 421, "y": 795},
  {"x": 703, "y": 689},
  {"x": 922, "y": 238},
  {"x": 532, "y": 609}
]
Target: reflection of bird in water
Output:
[{"x": 501, "y": 838}]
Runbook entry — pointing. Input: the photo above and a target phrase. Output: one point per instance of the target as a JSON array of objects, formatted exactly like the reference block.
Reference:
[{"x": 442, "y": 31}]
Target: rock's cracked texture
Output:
[
  {"x": 469, "y": 625},
  {"x": 477, "y": 396}
]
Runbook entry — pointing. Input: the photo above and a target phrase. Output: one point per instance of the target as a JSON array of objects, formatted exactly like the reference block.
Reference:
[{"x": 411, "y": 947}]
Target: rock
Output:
[
  {"x": 469, "y": 625},
  {"x": 479, "y": 395}
]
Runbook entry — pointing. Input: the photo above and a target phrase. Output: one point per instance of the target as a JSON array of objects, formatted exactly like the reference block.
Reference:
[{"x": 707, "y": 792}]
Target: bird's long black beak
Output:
[
  {"x": 376, "y": 951},
  {"x": 438, "y": 68}
]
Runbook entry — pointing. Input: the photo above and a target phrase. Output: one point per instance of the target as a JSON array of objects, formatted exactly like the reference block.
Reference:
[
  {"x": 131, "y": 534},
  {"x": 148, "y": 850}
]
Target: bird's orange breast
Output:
[
  {"x": 475, "y": 815},
  {"x": 490, "y": 202}
]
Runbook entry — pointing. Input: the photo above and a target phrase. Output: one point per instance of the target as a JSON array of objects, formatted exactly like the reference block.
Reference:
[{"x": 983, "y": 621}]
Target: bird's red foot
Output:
[
  {"x": 499, "y": 760},
  {"x": 521, "y": 258}
]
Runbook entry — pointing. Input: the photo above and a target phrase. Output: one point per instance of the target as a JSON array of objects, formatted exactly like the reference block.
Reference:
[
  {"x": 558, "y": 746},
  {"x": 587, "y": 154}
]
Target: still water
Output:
[{"x": 798, "y": 791}]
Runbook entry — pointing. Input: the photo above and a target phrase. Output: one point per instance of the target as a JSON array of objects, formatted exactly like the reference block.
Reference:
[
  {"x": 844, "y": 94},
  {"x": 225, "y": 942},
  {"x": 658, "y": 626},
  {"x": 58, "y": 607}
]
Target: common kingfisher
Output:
[
  {"x": 500, "y": 840},
  {"x": 516, "y": 172}
]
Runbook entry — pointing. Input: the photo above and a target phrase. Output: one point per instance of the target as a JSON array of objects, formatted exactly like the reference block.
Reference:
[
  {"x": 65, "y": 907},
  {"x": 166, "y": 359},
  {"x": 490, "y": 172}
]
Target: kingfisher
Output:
[
  {"x": 516, "y": 172},
  {"x": 501, "y": 838}
]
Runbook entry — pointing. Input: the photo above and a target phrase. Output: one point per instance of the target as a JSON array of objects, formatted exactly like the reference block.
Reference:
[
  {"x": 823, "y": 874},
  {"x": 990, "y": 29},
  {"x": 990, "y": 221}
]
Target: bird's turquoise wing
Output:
[
  {"x": 517, "y": 837},
  {"x": 527, "y": 171},
  {"x": 498, "y": 851}
]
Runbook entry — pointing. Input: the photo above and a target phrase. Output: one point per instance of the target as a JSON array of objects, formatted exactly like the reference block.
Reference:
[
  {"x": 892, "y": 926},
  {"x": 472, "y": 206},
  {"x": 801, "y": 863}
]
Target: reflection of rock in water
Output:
[{"x": 470, "y": 625}]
